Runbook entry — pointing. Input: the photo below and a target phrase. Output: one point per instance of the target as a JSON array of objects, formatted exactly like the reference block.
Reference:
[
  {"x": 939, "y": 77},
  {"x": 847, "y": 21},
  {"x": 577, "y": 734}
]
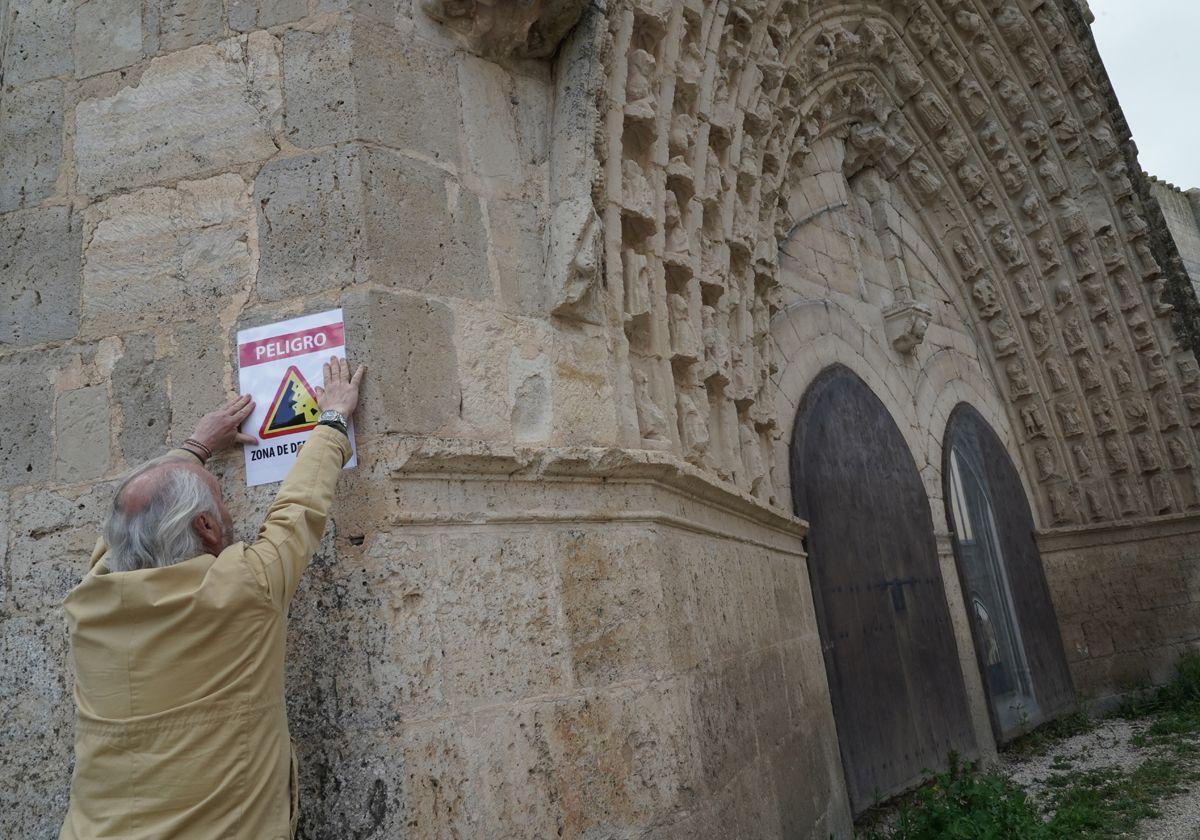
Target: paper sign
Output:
[{"x": 281, "y": 366}]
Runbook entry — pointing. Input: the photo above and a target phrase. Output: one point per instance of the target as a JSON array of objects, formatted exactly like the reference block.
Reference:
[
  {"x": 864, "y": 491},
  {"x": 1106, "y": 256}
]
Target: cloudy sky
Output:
[{"x": 1150, "y": 50}]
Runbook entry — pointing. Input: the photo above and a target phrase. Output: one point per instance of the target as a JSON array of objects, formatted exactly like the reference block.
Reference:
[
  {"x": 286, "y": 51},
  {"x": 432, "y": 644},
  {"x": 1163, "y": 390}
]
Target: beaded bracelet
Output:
[{"x": 207, "y": 452}]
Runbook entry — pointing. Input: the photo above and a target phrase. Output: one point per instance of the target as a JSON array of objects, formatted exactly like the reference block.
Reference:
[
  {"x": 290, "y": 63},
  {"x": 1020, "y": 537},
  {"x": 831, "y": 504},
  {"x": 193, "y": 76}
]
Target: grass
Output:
[{"x": 965, "y": 803}]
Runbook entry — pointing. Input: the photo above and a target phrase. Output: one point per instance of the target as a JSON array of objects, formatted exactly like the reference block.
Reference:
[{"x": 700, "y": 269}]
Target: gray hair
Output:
[{"x": 160, "y": 533}]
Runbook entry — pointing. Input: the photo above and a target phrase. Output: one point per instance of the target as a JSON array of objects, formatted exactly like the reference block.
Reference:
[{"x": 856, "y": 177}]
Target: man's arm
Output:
[{"x": 296, "y": 519}]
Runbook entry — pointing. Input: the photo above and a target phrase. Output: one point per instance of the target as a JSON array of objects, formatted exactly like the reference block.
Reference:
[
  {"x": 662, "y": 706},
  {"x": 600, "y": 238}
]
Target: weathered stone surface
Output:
[
  {"x": 39, "y": 275},
  {"x": 37, "y": 725},
  {"x": 195, "y": 375},
  {"x": 409, "y": 344},
  {"x": 27, "y": 412},
  {"x": 108, "y": 35},
  {"x": 38, "y": 41},
  {"x": 193, "y": 112},
  {"x": 139, "y": 389},
  {"x": 310, "y": 223},
  {"x": 186, "y": 23},
  {"x": 82, "y": 431},
  {"x": 361, "y": 81},
  {"x": 498, "y": 617},
  {"x": 245, "y": 15},
  {"x": 424, "y": 231},
  {"x": 159, "y": 255},
  {"x": 31, "y": 123}
]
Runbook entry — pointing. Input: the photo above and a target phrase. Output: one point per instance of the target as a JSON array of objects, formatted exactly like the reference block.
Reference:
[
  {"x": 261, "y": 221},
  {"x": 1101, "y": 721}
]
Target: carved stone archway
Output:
[{"x": 986, "y": 114}]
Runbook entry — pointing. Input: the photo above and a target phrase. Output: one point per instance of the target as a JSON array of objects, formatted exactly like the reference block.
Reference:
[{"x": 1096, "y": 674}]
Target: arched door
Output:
[
  {"x": 894, "y": 676},
  {"x": 1017, "y": 640}
]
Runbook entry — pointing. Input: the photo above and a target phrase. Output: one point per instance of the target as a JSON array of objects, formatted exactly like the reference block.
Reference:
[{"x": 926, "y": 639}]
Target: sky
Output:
[{"x": 1149, "y": 50}]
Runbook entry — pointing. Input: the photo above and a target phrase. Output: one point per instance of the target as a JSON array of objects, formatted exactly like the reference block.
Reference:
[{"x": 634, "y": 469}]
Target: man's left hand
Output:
[{"x": 218, "y": 429}]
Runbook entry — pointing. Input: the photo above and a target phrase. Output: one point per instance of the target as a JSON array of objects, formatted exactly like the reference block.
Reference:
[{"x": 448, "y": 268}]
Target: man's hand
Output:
[
  {"x": 218, "y": 429},
  {"x": 341, "y": 389}
]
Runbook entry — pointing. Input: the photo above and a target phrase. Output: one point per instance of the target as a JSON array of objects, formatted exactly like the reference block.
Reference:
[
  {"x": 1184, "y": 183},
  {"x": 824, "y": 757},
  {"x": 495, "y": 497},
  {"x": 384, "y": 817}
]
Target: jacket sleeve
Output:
[
  {"x": 296, "y": 519},
  {"x": 101, "y": 546}
]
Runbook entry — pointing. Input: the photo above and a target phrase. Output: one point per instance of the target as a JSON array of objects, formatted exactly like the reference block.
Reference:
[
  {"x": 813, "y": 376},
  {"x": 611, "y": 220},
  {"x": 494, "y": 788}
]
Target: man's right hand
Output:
[{"x": 341, "y": 389}]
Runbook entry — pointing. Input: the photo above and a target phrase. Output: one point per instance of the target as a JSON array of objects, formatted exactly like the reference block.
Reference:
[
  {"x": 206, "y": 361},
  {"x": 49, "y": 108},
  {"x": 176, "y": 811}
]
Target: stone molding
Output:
[
  {"x": 501, "y": 484},
  {"x": 1143, "y": 530},
  {"x": 502, "y": 29}
]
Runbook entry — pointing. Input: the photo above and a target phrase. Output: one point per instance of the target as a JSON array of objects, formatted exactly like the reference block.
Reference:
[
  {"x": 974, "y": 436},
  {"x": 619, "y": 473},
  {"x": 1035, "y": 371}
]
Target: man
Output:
[{"x": 177, "y": 635}]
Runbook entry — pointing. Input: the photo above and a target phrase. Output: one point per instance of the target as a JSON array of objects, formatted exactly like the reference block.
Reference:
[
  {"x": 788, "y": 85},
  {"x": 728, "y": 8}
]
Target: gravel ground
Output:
[{"x": 1109, "y": 745}]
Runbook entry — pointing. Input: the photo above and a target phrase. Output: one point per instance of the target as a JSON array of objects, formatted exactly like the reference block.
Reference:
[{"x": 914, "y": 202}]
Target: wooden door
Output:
[
  {"x": 1017, "y": 641},
  {"x": 890, "y": 656}
]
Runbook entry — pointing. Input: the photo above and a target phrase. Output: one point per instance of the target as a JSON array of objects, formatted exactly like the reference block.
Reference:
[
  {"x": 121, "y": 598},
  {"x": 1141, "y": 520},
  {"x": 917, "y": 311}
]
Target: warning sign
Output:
[
  {"x": 281, "y": 366},
  {"x": 294, "y": 408}
]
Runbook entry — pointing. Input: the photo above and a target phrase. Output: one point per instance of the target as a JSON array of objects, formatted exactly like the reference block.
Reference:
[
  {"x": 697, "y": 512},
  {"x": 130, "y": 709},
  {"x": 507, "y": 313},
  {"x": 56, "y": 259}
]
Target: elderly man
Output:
[{"x": 177, "y": 634}]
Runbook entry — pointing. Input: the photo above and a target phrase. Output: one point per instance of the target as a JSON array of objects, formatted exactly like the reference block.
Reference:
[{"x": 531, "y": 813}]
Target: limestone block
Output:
[
  {"x": 37, "y": 725},
  {"x": 31, "y": 121},
  {"x": 409, "y": 344},
  {"x": 4, "y": 530},
  {"x": 499, "y": 618},
  {"x": 54, "y": 533},
  {"x": 82, "y": 431},
  {"x": 513, "y": 237},
  {"x": 38, "y": 40},
  {"x": 108, "y": 36},
  {"x": 622, "y": 759},
  {"x": 39, "y": 275},
  {"x": 194, "y": 112},
  {"x": 529, "y": 394},
  {"x": 513, "y": 783},
  {"x": 438, "y": 795},
  {"x": 489, "y": 125},
  {"x": 424, "y": 231},
  {"x": 139, "y": 388},
  {"x": 160, "y": 255},
  {"x": 246, "y": 15},
  {"x": 195, "y": 374},
  {"x": 26, "y": 412},
  {"x": 724, "y": 733},
  {"x": 186, "y": 23},
  {"x": 361, "y": 81},
  {"x": 613, "y": 604},
  {"x": 309, "y": 224}
]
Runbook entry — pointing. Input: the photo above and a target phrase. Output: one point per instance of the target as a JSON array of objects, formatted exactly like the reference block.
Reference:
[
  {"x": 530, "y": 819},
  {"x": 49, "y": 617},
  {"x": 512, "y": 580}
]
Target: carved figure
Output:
[
  {"x": 1060, "y": 505},
  {"x": 1089, "y": 374},
  {"x": 1147, "y": 453},
  {"x": 1068, "y": 417},
  {"x": 933, "y": 111},
  {"x": 1162, "y": 493},
  {"x": 1168, "y": 410},
  {"x": 1031, "y": 419},
  {"x": 1083, "y": 458},
  {"x": 1073, "y": 335},
  {"x": 639, "y": 85},
  {"x": 1122, "y": 376},
  {"x": 684, "y": 342},
  {"x": 1104, "y": 415},
  {"x": 1002, "y": 337},
  {"x": 1177, "y": 454},
  {"x": 1128, "y": 497},
  {"x": 651, "y": 422},
  {"x": 1056, "y": 375},
  {"x": 677, "y": 237},
  {"x": 1097, "y": 502},
  {"x": 1018, "y": 379},
  {"x": 984, "y": 294},
  {"x": 693, "y": 424},
  {"x": 1039, "y": 334},
  {"x": 974, "y": 103},
  {"x": 925, "y": 182},
  {"x": 1005, "y": 243},
  {"x": 1137, "y": 416},
  {"x": 637, "y": 284},
  {"x": 1047, "y": 464},
  {"x": 1118, "y": 460},
  {"x": 1031, "y": 206},
  {"x": 503, "y": 30}
]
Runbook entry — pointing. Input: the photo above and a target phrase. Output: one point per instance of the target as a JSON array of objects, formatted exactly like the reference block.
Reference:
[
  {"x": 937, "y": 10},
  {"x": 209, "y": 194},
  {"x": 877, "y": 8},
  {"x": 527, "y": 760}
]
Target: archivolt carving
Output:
[{"x": 984, "y": 114}]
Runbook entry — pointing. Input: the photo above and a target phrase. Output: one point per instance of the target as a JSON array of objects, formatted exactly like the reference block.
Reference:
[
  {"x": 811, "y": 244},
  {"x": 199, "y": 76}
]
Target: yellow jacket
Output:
[{"x": 181, "y": 730}]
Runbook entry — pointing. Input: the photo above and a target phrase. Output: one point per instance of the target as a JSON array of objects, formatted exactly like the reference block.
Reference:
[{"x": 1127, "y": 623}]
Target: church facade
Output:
[{"x": 767, "y": 398}]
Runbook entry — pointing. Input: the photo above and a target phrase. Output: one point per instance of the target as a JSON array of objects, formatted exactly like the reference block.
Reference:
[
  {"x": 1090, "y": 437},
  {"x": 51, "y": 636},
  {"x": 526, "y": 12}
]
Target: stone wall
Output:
[
  {"x": 1181, "y": 209},
  {"x": 1128, "y": 600}
]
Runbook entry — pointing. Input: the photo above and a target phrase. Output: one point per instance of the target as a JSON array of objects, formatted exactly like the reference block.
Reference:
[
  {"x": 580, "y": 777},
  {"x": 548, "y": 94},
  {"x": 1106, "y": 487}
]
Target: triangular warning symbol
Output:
[{"x": 294, "y": 408}]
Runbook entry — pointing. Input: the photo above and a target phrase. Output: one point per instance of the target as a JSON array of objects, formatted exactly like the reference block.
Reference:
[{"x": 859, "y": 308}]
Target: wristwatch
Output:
[{"x": 331, "y": 417}]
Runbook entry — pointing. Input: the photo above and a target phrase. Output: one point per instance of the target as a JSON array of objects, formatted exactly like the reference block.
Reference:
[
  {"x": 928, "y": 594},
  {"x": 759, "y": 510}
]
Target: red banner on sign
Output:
[{"x": 313, "y": 340}]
